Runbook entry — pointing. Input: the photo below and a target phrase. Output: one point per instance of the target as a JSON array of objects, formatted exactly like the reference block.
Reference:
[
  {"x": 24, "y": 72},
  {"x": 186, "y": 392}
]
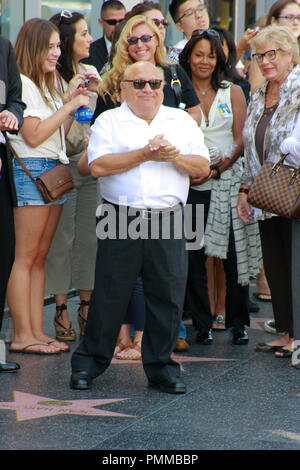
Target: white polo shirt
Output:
[{"x": 150, "y": 184}]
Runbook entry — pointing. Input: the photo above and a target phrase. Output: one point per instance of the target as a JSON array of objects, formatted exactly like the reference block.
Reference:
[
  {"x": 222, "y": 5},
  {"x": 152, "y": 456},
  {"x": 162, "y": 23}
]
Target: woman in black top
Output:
[{"x": 149, "y": 48}]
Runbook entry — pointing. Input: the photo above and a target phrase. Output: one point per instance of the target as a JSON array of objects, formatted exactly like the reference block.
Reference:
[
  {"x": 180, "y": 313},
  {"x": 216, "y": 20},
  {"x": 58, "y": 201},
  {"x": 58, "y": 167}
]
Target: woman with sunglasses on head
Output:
[
  {"x": 272, "y": 115},
  {"x": 223, "y": 109},
  {"x": 40, "y": 144},
  {"x": 71, "y": 259}
]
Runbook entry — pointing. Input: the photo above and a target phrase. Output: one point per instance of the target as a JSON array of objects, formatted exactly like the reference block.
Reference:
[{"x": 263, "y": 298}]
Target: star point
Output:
[{"x": 28, "y": 406}]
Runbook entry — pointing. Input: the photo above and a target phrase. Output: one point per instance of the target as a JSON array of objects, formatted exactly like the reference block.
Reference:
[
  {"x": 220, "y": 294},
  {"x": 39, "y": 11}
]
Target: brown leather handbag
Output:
[
  {"x": 53, "y": 183},
  {"x": 276, "y": 189}
]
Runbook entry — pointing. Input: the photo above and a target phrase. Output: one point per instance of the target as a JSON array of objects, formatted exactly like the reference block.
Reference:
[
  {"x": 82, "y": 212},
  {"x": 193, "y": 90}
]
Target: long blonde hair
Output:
[
  {"x": 122, "y": 58},
  {"x": 31, "y": 49}
]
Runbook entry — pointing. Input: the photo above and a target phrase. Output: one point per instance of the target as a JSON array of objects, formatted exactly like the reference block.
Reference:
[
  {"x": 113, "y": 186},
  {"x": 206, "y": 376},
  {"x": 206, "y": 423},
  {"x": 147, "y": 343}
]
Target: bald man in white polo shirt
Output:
[{"x": 143, "y": 153}]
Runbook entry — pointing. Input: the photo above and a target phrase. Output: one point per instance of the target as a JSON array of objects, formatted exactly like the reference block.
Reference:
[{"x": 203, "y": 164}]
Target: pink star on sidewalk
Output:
[{"x": 28, "y": 406}]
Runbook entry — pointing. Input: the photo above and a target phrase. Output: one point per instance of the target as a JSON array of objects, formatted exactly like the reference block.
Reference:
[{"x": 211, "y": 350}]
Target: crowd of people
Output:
[{"x": 172, "y": 127}]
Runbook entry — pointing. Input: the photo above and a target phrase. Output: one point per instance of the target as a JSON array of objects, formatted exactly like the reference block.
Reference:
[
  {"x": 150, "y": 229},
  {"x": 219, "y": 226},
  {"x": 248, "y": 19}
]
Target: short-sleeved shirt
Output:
[
  {"x": 150, "y": 184},
  {"x": 37, "y": 107}
]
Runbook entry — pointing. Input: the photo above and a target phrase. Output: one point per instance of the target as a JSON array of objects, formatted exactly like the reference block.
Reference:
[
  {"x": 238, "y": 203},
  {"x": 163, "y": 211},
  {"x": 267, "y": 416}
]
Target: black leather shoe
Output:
[
  {"x": 239, "y": 336},
  {"x": 81, "y": 380},
  {"x": 204, "y": 337},
  {"x": 9, "y": 366},
  {"x": 170, "y": 386}
]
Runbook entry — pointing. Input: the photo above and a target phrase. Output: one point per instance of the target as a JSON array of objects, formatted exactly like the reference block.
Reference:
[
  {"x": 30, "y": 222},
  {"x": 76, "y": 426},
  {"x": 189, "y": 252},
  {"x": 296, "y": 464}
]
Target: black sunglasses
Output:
[
  {"x": 203, "y": 32},
  {"x": 144, "y": 38},
  {"x": 140, "y": 84},
  {"x": 113, "y": 22},
  {"x": 160, "y": 22}
]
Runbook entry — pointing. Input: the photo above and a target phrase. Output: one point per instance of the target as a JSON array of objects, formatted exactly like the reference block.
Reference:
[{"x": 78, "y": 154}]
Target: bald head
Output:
[
  {"x": 142, "y": 68},
  {"x": 144, "y": 101}
]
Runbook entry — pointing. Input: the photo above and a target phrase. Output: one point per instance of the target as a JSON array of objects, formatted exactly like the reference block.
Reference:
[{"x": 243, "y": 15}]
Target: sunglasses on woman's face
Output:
[
  {"x": 140, "y": 84},
  {"x": 160, "y": 22},
  {"x": 112, "y": 22},
  {"x": 205, "y": 32},
  {"x": 144, "y": 38}
]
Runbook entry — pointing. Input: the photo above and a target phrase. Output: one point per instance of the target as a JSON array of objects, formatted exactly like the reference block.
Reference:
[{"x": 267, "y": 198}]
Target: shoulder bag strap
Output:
[
  {"x": 176, "y": 84},
  {"x": 22, "y": 164}
]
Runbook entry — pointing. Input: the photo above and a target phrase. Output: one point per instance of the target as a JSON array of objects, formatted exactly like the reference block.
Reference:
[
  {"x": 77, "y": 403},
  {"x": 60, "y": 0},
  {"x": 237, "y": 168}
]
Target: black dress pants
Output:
[
  {"x": 163, "y": 266},
  {"x": 276, "y": 240},
  {"x": 7, "y": 241},
  {"x": 197, "y": 300}
]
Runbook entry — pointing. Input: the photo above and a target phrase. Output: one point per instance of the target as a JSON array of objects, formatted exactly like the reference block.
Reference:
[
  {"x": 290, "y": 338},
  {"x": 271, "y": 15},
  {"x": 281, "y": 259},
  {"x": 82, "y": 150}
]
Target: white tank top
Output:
[{"x": 217, "y": 129}]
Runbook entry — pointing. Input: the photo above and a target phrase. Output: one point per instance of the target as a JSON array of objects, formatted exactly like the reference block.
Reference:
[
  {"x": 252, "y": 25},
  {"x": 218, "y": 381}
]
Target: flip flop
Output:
[
  {"x": 262, "y": 297},
  {"x": 26, "y": 350}
]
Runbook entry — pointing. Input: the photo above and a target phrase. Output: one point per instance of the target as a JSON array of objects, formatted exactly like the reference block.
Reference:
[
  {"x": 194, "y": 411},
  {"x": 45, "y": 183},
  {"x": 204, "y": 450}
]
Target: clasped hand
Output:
[
  {"x": 8, "y": 121},
  {"x": 162, "y": 150}
]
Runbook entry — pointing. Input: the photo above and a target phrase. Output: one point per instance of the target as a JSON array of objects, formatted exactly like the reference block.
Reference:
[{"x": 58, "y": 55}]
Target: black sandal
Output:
[{"x": 63, "y": 333}]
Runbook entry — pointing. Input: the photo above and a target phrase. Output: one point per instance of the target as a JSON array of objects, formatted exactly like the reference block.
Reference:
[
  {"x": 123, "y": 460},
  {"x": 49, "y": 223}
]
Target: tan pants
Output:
[{"x": 72, "y": 256}]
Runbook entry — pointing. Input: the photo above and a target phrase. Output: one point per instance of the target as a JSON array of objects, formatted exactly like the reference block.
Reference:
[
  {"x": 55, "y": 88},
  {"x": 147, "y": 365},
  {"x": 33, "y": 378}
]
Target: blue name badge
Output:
[{"x": 225, "y": 110}]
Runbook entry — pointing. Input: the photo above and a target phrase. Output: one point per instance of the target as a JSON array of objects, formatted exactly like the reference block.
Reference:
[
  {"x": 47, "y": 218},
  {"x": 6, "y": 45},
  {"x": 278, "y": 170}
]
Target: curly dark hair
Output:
[{"x": 216, "y": 46}]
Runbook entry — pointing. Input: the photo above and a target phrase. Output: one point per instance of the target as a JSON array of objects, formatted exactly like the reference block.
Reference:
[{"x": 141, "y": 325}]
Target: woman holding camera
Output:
[{"x": 71, "y": 259}]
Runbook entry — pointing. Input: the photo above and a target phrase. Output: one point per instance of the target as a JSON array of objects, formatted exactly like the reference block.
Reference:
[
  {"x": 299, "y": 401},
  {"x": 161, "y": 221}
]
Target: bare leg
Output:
[
  {"x": 220, "y": 287},
  {"x": 30, "y": 223},
  {"x": 38, "y": 278},
  {"x": 210, "y": 270}
]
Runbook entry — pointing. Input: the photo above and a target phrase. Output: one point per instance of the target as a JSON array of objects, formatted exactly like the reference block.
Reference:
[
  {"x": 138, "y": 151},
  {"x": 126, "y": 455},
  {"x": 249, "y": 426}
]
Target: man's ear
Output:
[
  {"x": 100, "y": 21},
  {"x": 179, "y": 27}
]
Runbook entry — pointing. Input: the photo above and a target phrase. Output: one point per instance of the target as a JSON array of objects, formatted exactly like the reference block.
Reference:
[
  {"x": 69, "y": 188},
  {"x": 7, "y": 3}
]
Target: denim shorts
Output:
[{"x": 27, "y": 192}]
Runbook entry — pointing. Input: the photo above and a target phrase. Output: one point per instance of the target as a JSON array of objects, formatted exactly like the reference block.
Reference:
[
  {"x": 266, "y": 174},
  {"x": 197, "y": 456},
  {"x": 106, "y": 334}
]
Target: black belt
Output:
[{"x": 148, "y": 212}]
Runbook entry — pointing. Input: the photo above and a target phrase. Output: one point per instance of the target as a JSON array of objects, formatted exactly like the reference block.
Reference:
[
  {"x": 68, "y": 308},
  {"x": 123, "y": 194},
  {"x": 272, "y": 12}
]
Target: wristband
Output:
[{"x": 244, "y": 190}]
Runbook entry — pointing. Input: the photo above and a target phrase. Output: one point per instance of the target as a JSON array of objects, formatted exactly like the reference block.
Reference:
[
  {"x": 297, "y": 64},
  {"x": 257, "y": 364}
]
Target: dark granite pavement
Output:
[{"x": 237, "y": 399}]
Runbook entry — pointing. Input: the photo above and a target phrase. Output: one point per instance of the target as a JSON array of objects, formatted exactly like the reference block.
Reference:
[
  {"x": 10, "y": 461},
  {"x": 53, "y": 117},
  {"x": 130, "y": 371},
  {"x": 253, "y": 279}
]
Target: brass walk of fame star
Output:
[{"x": 28, "y": 406}]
